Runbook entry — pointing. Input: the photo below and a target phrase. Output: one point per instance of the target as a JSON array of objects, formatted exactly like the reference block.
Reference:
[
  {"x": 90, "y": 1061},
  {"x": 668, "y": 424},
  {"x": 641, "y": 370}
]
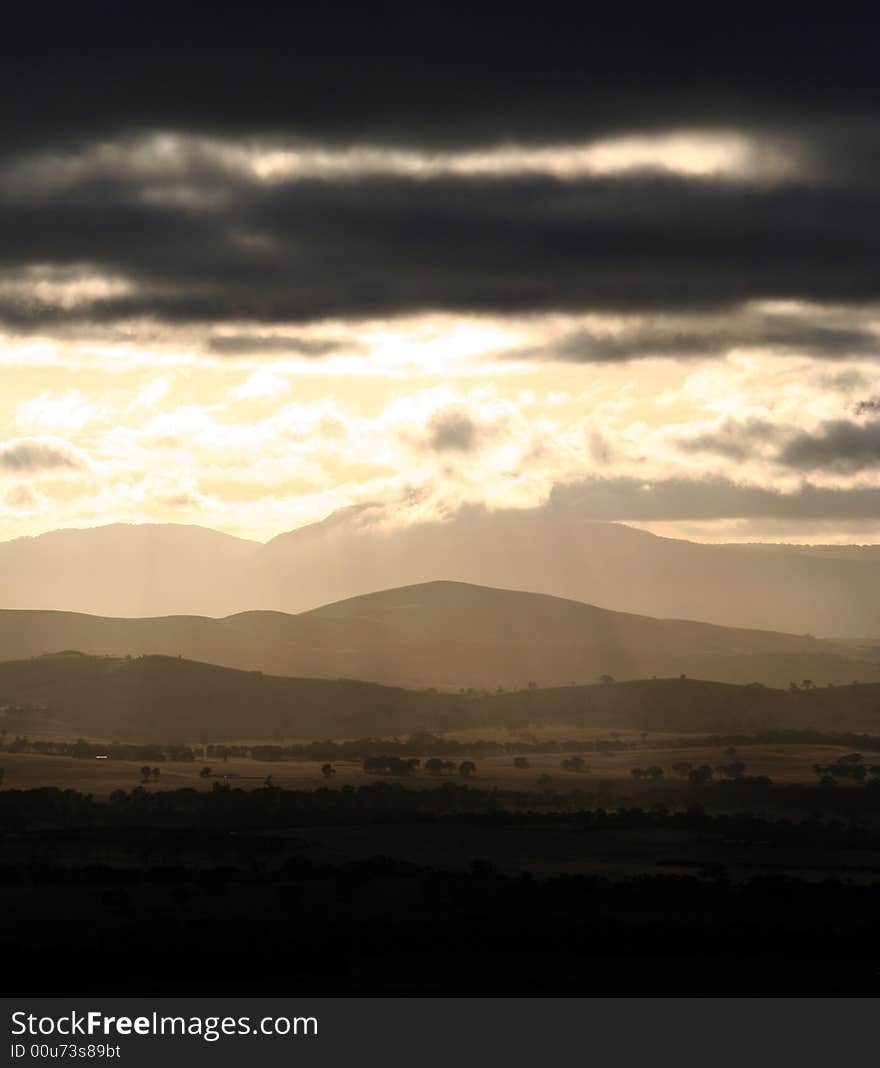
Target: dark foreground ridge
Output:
[{"x": 236, "y": 889}]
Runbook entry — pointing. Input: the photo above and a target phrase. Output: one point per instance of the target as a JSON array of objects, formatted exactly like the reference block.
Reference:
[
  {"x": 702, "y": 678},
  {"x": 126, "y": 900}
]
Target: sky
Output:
[{"x": 260, "y": 264}]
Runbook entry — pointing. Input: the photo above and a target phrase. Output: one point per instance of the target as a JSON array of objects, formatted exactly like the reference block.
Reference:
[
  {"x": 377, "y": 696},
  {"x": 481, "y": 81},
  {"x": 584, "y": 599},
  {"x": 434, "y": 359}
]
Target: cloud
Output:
[
  {"x": 453, "y": 431},
  {"x": 31, "y": 455},
  {"x": 21, "y": 498},
  {"x": 839, "y": 445},
  {"x": 520, "y": 202},
  {"x": 630, "y": 499},
  {"x": 261, "y": 384},
  {"x": 425, "y": 76},
  {"x": 865, "y": 407},
  {"x": 733, "y": 439},
  {"x": 280, "y": 344},
  {"x": 311, "y": 250},
  {"x": 705, "y": 336},
  {"x": 579, "y": 163},
  {"x": 68, "y": 412}
]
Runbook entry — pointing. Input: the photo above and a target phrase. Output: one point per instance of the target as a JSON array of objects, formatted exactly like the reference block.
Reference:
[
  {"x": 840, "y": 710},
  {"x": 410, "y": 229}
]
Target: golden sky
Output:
[{"x": 262, "y": 424}]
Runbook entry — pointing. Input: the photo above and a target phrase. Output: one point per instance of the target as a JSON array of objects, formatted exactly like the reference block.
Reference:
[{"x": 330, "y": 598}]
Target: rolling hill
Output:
[
  {"x": 155, "y": 697},
  {"x": 166, "y": 569},
  {"x": 453, "y": 635},
  {"x": 165, "y": 698}
]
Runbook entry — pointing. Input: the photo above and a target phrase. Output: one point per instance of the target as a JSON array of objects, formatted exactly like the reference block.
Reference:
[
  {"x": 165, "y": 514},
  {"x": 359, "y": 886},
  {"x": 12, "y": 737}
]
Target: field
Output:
[
  {"x": 781, "y": 763},
  {"x": 620, "y": 885}
]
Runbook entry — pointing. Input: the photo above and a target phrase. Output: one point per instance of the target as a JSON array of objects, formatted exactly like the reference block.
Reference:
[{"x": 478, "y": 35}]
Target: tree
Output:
[
  {"x": 545, "y": 781},
  {"x": 606, "y": 680},
  {"x": 636, "y": 773},
  {"x": 733, "y": 770},
  {"x": 683, "y": 768},
  {"x": 655, "y": 772},
  {"x": 521, "y": 763},
  {"x": 434, "y": 765},
  {"x": 574, "y": 763},
  {"x": 466, "y": 768},
  {"x": 712, "y": 869},
  {"x": 392, "y": 765},
  {"x": 205, "y": 773},
  {"x": 146, "y": 773},
  {"x": 700, "y": 776},
  {"x": 328, "y": 771}
]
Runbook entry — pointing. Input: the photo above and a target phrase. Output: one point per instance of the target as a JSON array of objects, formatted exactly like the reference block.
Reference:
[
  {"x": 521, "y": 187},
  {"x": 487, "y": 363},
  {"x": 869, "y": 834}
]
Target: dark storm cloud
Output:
[
  {"x": 201, "y": 243},
  {"x": 309, "y": 250},
  {"x": 839, "y": 445},
  {"x": 19, "y": 457},
  {"x": 865, "y": 407},
  {"x": 628, "y": 499},
  {"x": 423, "y": 74}
]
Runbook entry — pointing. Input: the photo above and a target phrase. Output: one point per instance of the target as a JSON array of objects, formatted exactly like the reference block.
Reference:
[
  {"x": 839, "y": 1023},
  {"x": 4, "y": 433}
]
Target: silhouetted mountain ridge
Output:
[{"x": 453, "y": 635}]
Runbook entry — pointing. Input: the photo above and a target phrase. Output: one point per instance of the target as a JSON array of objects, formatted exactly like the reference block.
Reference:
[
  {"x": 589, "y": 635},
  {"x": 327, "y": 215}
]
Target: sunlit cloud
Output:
[
  {"x": 68, "y": 411},
  {"x": 263, "y": 383},
  {"x": 47, "y": 286},
  {"x": 175, "y": 168},
  {"x": 255, "y": 450}
]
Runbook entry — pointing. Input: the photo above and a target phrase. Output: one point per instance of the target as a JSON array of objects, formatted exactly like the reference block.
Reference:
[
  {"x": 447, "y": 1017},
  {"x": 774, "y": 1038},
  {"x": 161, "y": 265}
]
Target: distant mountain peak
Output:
[{"x": 164, "y": 569}]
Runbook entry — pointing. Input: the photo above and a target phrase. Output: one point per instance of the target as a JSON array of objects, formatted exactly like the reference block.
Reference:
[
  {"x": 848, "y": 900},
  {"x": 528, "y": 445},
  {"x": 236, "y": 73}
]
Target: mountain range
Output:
[
  {"x": 452, "y": 636},
  {"x": 158, "y": 570}
]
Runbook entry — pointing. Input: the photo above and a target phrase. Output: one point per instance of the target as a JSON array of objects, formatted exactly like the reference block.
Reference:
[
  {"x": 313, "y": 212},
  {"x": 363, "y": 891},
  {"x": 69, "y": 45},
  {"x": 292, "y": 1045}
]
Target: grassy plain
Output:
[{"x": 781, "y": 763}]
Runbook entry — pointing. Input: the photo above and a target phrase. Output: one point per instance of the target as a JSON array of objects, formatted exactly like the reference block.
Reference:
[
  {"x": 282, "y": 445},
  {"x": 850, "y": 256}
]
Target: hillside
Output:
[
  {"x": 125, "y": 570},
  {"x": 697, "y": 705},
  {"x": 453, "y": 635},
  {"x": 168, "y": 698}
]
